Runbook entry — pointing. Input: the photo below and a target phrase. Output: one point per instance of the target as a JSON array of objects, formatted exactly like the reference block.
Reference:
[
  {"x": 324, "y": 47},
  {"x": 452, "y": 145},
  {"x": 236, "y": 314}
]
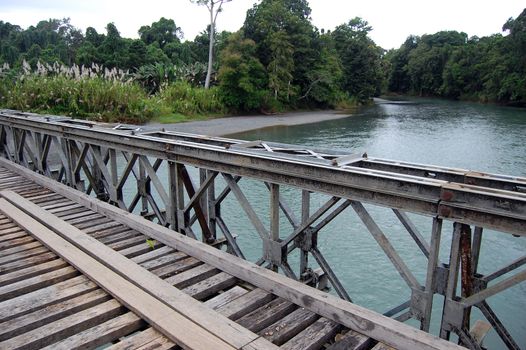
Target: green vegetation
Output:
[
  {"x": 449, "y": 64},
  {"x": 276, "y": 62}
]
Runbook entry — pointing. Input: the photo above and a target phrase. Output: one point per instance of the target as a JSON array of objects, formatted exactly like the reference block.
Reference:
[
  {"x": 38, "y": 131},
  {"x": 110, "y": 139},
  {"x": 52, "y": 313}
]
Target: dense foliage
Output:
[
  {"x": 277, "y": 61},
  {"x": 449, "y": 64}
]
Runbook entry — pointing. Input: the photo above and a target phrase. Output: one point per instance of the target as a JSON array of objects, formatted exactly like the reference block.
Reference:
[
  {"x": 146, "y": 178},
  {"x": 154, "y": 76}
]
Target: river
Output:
[{"x": 455, "y": 134}]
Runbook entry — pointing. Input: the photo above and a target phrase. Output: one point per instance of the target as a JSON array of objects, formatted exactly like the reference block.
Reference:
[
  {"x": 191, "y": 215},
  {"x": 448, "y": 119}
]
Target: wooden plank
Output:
[
  {"x": 98, "y": 234},
  {"x": 16, "y": 242},
  {"x": 245, "y": 304},
  {"x": 154, "y": 254},
  {"x": 117, "y": 237},
  {"x": 14, "y": 235},
  {"x": 267, "y": 314},
  {"x": 100, "y": 227},
  {"x": 175, "y": 268},
  {"x": 51, "y": 313},
  {"x": 149, "y": 338},
  {"x": 126, "y": 243},
  {"x": 289, "y": 326},
  {"x": 139, "y": 249},
  {"x": 24, "y": 254},
  {"x": 92, "y": 222},
  {"x": 38, "y": 299},
  {"x": 381, "y": 346},
  {"x": 177, "y": 327},
  {"x": 352, "y": 316},
  {"x": 29, "y": 285},
  {"x": 210, "y": 286},
  {"x": 65, "y": 327},
  {"x": 24, "y": 263},
  {"x": 314, "y": 336},
  {"x": 164, "y": 260},
  {"x": 351, "y": 341},
  {"x": 194, "y": 275},
  {"x": 21, "y": 248},
  {"x": 31, "y": 271},
  {"x": 225, "y": 297},
  {"x": 101, "y": 334}
]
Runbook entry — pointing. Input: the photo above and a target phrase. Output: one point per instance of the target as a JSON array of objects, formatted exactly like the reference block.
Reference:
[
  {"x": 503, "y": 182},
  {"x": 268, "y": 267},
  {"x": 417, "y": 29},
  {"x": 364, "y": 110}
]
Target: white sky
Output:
[{"x": 392, "y": 21}]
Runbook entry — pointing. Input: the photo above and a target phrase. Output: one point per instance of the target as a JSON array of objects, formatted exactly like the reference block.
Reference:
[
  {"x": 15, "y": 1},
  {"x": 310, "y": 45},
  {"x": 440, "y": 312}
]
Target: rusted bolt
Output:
[
  {"x": 444, "y": 211},
  {"x": 446, "y": 195}
]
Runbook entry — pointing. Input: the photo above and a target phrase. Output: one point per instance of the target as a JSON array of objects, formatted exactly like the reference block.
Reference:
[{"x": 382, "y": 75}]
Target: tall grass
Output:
[{"x": 97, "y": 93}]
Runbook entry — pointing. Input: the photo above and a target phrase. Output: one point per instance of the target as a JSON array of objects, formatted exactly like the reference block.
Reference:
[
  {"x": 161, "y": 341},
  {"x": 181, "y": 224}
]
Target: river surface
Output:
[{"x": 454, "y": 134}]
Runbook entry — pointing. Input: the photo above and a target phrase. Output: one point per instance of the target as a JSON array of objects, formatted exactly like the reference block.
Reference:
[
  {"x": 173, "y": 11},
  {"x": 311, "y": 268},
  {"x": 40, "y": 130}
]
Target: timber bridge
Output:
[{"x": 117, "y": 238}]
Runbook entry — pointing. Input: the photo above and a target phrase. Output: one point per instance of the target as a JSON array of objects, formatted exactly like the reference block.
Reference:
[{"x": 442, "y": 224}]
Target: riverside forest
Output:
[{"x": 277, "y": 61}]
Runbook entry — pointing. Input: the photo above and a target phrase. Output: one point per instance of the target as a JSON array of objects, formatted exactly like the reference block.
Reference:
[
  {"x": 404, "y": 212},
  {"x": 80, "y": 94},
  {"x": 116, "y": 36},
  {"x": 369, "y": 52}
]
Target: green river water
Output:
[{"x": 455, "y": 134}]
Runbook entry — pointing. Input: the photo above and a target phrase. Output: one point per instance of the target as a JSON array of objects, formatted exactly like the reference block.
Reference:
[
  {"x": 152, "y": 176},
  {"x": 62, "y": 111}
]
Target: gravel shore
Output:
[{"x": 231, "y": 125}]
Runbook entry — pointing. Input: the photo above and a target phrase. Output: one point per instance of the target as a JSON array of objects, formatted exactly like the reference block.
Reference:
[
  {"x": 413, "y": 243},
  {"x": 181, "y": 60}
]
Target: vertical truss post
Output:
[
  {"x": 211, "y": 203},
  {"x": 113, "y": 174},
  {"x": 450, "y": 312},
  {"x": 171, "y": 209},
  {"x": 305, "y": 214},
  {"x": 431, "y": 279},
  {"x": 274, "y": 218},
  {"x": 182, "y": 218},
  {"x": 475, "y": 250},
  {"x": 69, "y": 164},
  {"x": 96, "y": 172},
  {"x": 466, "y": 272},
  {"x": 143, "y": 189}
]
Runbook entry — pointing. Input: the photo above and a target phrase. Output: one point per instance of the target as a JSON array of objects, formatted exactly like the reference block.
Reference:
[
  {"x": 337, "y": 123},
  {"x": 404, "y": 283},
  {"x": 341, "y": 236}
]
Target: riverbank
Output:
[{"x": 232, "y": 125}]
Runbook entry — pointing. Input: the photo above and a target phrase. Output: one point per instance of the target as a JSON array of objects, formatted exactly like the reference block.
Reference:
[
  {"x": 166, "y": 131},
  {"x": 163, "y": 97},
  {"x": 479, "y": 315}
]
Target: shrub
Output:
[{"x": 188, "y": 100}]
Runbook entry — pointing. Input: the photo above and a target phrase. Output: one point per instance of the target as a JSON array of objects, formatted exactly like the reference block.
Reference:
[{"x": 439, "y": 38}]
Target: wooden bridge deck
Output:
[{"x": 79, "y": 273}]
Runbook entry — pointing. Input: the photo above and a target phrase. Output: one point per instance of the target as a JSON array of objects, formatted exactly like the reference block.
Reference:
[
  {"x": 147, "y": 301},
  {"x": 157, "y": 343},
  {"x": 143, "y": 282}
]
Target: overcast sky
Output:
[{"x": 392, "y": 21}]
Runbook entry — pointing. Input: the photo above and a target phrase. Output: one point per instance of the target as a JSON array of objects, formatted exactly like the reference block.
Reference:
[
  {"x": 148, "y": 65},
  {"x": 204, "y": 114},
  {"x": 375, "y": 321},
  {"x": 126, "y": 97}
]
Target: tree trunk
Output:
[{"x": 211, "y": 47}]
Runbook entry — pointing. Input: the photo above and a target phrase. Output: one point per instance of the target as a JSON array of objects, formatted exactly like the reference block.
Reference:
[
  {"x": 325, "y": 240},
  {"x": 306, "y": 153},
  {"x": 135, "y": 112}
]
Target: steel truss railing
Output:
[{"x": 85, "y": 156}]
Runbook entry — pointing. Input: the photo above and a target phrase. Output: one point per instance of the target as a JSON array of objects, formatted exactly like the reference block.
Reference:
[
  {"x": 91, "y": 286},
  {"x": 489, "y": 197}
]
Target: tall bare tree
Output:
[{"x": 214, "y": 7}]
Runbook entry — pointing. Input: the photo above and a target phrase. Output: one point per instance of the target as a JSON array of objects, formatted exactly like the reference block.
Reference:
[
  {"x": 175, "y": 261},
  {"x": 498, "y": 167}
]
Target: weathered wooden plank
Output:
[
  {"x": 139, "y": 249},
  {"x": 21, "y": 248},
  {"x": 314, "y": 336},
  {"x": 31, "y": 271},
  {"x": 101, "y": 334},
  {"x": 225, "y": 297},
  {"x": 38, "y": 299},
  {"x": 210, "y": 286},
  {"x": 15, "y": 242},
  {"x": 147, "y": 339},
  {"x": 289, "y": 326},
  {"x": 381, "y": 346},
  {"x": 92, "y": 222},
  {"x": 154, "y": 254},
  {"x": 164, "y": 260},
  {"x": 59, "y": 206},
  {"x": 267, "y": 314},
  {"x": 126, "y": 243},
  {"x": 19, "y": 234},
  {"x": 117, "y": 237},
  {"x": 351, "y": 341},
  {"x": 194, "y": 275},
  {"x": 65, "y": 327},
  {"x": 27, "y": 262},
  {"x": 176, "y": 267},
  {"x": 154, "y": 311},
  {"x": 98, "y": 234},
  {"x": 24, "y": 254},
  {"x": 101, "y": 227},
  {"x": 50, "y": 313},
  {"x": 29, "y": 285},
  {"x": 245, "y": 304}
]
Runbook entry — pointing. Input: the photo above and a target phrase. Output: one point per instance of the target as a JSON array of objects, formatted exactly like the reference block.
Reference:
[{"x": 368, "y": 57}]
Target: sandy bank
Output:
[{"x": 230, "y": 125}]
